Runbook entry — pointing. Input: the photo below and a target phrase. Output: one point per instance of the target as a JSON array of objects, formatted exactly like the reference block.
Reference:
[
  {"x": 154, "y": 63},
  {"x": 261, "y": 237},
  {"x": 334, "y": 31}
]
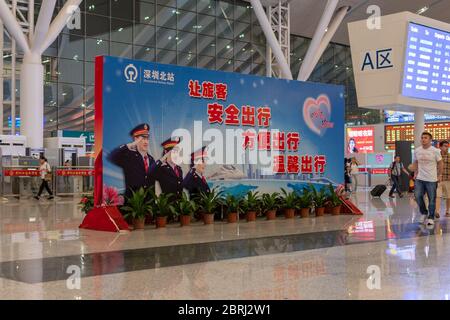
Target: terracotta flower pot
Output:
[
  {"x": 232, "y": 217},
  {"x": 271, "y": 214},
  {"x": 289, "y": 213},
  {"x": 139, "y": 223},
  {"x": 251, "y": 216},
  {"x": 208, "y": 218},
  {"x": 304, "y": 212},
  {"x": 161, "y": 222},
  {"x": 320, "y": 211},
  {"x": 185, "y": 220},
  {"x": 335, "y": 211}
]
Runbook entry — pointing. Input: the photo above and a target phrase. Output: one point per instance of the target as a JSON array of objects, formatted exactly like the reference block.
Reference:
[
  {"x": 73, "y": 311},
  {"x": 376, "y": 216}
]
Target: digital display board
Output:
[
  {"x": 404, "y": 117},
  {"x": 440, "y": 131},
  {"x": 427, "y": 64}
]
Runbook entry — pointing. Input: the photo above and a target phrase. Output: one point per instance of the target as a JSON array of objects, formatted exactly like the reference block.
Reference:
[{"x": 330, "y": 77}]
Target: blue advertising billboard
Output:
[{"x": 259, "y": 133}]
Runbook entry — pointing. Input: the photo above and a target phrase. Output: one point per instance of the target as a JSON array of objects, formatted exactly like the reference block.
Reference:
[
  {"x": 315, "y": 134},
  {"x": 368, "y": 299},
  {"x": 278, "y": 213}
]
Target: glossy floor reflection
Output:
[{"x": 314, "y": 258}]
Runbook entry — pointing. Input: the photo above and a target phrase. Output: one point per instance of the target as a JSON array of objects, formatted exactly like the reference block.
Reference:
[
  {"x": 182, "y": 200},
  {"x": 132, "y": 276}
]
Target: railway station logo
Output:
[{"x": 131, "y": 73}]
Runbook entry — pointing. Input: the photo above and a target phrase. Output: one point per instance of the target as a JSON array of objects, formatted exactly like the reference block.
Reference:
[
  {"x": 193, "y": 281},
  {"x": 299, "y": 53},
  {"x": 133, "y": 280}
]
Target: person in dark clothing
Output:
[
  {"x": 44, "y": 170},
  {"x": 195, "y": 181},
  {"x": 137, "y": 164},
  {"x": 168, "y": 173},
  {"x": 395, "y": 172}
]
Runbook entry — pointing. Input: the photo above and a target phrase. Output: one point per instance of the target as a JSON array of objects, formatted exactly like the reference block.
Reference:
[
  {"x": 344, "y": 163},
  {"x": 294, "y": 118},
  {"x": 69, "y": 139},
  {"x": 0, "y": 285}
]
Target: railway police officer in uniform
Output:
[
  {"x": 168, "y": 173},
  {"x": 137, "y": 164},
  {"x": 195, "y": 181}
]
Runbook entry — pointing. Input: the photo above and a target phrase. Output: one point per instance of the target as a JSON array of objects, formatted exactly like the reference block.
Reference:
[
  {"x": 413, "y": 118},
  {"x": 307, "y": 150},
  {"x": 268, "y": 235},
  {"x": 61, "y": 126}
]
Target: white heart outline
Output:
[{"x": 309, "y": 102}]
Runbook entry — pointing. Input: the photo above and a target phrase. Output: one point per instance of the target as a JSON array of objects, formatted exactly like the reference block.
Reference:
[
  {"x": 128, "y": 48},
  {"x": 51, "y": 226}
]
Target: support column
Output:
[
  {"x": 285, "y": 70},
  {"x": 419, "y": 126},
  {"x": 32, "y": 100}
]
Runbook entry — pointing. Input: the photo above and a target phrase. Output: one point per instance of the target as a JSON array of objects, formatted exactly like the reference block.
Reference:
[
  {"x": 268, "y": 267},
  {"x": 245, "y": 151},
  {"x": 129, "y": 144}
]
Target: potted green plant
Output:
[
  {"x": 289, "y": 203},
  {"x": 138, "y": 206},
  {"x": 232, "y": 205},
  {"x": 185, "y": 208},
  {"x": 334, "y": 200},
  {"x": 162, "y": 208},
  {"x": 209, "y": 202},
  {"x": 271, "y": 202},
  {"x": 305, "y": 203},
  {"x": 87, "y": 203},
  {"x": 320, "y": 199},
  {"x": 251, "y": 205}
]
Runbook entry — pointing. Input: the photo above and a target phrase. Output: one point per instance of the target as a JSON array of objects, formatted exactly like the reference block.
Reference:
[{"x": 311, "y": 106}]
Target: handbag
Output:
[{"x": 48, "y": 176}]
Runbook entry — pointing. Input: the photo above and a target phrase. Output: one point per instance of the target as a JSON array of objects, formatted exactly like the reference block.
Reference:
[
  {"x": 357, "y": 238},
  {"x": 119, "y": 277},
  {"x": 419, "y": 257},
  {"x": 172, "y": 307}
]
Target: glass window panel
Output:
[
  {"x": 316, "y": 75},
  {"x": 89, "y": 71},
  {"x": 186, "y": 59},
  {"x": 169, "y": 3},
  {"x": 259, "y": 54},
  {"x": 96, "y": 47},
  {"x": 70, "y": 95},
  {"x": 70, "y": 71},
  {"x": 166, "y": 17},
  {"x": 340, "y": 55},
  {"x": 50, "y": 118},
  {"x": 144, "y": 53},
  {"x": 76, "y": 25},
  {"x": 206, "y": 25},
  {"x": 51, "y": 51},
  {"x": 206, "y": 45},
  {"x": 190, "y": 5},
  {"x": 242, "y": 51},
  {"x": 328, "y": 55},
  {"x": 206, "y": 6},
  {"x": 243, "y": 13},
  {"x": 187, "y": 21},
  {"x": 225, "y": 10},
  {"x": 121, "y": 50},
  {"x": 97, "y": 26},
  {"x": 224, "y": 48},
  {"x": 145, "y": 12},
  {"x": 50, "y": 68},
  {"x": 258, "y": 35},
  {"x": 166, "y": 56},
  {"x": 144, "y": 35},
  {"x": 97, "y": 7},
  {"x": 242, "y": 31},
  {"x": 206, "y": 62},
  {"x": 89, "y": 124},
  {"x": 224, "y": 28},
  {"x": 187, "y": 42},
  {"x": 89, "y": 97},
  {"x": 166, "y": 39},
  {"x": 259, "y": 69},
  {"x": 71, "y": 119},
  {"x": 71, "y": 47},
  {"x": 242, "y": 67},
  {"x": 50, "y": 94},
  {"x": 121, "y": 31},
  {"x": 224, "y": 64},
  {"x": 122, "y": 9}
]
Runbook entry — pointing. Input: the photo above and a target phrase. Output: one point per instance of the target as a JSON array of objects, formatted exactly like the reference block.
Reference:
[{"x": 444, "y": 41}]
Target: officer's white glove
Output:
[
  {"x": 164, "y": 157},
  {"x": 133, "y": 145}
]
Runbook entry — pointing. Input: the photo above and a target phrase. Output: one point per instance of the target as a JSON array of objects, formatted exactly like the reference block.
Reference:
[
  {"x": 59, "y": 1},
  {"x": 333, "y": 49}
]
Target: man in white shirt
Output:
[{"x": 427, "y": 172}]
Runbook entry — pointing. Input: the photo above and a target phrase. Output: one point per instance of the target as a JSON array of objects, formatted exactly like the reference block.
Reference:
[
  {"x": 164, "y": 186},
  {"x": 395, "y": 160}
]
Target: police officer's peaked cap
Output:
[
  {"x": 140, "y": 130},
  {"x": 170, "y": 143},
  {"x": 199, "y": 154}
]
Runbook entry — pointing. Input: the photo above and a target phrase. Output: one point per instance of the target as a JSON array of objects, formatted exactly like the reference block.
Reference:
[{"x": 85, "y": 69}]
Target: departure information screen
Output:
[{"x": 427, "y": 64}]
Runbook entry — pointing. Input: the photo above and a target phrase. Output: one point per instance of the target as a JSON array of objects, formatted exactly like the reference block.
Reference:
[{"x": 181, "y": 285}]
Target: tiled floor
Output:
[{"x": 314, "y": 258}]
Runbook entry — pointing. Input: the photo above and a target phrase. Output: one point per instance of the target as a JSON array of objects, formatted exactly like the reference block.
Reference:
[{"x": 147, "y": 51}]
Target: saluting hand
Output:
[
  {"x": 133, "y": 145},
  {"x": 164, "y": 157}
]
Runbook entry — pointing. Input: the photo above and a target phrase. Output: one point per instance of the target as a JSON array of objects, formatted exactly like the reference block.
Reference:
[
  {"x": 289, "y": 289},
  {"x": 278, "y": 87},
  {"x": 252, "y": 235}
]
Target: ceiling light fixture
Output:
[{"x": 422, "y": 10}]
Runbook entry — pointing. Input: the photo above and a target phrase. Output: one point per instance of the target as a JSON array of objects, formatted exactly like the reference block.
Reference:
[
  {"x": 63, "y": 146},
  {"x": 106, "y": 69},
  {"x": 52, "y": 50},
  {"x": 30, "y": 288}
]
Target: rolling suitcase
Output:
[{"x": 378, "y": 190}]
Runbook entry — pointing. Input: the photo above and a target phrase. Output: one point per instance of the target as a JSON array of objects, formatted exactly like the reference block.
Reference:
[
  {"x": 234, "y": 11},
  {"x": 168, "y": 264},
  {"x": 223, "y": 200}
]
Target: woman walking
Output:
[
  {"x": 45, "y": 171},
  {"x": 354, "y": 171}
]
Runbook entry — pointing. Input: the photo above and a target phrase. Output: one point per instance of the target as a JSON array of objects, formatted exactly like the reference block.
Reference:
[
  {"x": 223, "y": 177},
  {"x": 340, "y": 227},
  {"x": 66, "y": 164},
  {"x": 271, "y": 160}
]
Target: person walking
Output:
[
  {"x": 354, "y": 171},
  {"x": 395, "y": 172},
  {"x": 45, "y": 171},
  {"x": 428, "y": 167},
  {"x": 443, "y": 190}
]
